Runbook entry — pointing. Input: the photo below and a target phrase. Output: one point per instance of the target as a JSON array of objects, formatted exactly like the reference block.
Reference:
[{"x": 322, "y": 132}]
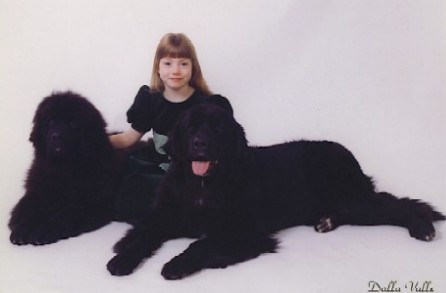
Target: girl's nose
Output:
[{"x": 176, "y": 68}]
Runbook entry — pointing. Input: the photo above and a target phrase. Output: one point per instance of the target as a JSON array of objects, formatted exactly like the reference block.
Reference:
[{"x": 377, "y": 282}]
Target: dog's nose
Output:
[{"x": 200, "y": 144}]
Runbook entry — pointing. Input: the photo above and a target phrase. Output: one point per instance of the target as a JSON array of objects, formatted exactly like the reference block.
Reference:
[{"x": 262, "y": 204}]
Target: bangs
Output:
[{"x": 175, "y": 52}]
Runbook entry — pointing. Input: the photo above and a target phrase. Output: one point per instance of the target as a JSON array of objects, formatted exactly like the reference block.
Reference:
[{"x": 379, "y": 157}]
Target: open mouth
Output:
[{"x": 202, "y": 168}]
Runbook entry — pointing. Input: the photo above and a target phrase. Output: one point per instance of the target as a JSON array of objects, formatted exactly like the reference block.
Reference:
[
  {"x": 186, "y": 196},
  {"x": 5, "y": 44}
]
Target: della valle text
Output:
[{"x": 394, "y": 286}]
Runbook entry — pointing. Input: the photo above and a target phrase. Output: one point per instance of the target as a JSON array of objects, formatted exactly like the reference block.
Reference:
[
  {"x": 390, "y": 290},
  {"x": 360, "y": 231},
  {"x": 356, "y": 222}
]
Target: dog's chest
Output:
[
  {"x": 205, "y": 200},
  {"x": 201, "y": 195}
]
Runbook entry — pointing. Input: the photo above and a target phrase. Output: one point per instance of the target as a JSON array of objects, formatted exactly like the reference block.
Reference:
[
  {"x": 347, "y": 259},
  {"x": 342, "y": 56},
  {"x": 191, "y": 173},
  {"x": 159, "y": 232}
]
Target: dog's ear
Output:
[
  {"x": 241, "y": 141},
  {"x": 95, "y": 126},
  {"x": 222, "y": 102},
  {"x": 39, "y": 121},
  {"x": 174, "y": 147}
]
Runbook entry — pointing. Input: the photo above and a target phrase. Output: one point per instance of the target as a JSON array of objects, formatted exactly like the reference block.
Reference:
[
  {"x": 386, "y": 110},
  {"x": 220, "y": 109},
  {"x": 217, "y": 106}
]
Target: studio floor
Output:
[{"x": 349, "y": 259}]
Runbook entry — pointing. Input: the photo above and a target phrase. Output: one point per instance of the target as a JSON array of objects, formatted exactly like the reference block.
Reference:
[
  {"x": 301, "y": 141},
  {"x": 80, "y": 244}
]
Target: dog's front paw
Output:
[
  {"x": 178, "y": 268},
  {"x": 129, "y": 242},
  {"x": 29, "y": 234},
  {"x": 122, "y": 265},
  {"x": 17, "y": 237}
]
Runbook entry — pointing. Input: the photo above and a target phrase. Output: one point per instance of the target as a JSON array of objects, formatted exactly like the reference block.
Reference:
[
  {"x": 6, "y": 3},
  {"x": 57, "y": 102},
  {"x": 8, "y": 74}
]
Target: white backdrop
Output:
[{"x": 370, "y": 74}]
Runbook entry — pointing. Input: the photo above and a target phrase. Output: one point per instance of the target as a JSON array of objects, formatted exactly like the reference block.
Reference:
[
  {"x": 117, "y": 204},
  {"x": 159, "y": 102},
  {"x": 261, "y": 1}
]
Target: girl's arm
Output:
[{"x": 126, "y": 138}]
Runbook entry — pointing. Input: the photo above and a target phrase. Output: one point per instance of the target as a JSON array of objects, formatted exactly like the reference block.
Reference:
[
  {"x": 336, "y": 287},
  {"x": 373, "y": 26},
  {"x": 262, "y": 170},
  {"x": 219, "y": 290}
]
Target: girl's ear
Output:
[{"x": 175, "y": 146}]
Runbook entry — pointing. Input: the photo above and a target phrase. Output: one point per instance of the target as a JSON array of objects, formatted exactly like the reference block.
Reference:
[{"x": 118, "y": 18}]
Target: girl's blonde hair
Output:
[{"x": 178, "y": 46}]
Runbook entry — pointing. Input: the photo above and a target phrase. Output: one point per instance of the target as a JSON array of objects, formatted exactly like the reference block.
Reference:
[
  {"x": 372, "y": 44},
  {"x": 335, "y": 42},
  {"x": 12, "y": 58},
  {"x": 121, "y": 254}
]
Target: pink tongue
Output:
[{"x": 200, "y": 168}]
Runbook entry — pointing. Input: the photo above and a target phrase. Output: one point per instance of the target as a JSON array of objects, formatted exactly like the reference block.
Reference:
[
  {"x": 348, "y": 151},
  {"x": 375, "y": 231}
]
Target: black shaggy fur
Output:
[
  {"x": 243, "y": 195},
  {"x": 72, "y": 182}
]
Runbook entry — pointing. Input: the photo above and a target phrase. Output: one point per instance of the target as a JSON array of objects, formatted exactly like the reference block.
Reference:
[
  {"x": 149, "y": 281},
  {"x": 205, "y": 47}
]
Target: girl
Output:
[{"x": 177, "y": 84}]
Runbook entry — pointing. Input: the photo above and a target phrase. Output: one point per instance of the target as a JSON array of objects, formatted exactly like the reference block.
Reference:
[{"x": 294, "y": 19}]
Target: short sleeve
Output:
[{"x": 138, "y": 115}]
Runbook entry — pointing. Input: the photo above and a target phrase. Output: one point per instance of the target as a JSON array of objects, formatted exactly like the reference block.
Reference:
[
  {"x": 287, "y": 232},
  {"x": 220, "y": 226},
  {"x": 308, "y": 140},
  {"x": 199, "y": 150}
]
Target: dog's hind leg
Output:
[{"x": 385, "y": 209}]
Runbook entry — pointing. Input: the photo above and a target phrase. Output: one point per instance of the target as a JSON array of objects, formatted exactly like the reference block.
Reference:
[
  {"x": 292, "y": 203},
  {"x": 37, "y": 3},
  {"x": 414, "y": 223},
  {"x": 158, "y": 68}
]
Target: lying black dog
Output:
[
  {"x": 239, "y": 196},
  {"x": 75, "y": 175}
]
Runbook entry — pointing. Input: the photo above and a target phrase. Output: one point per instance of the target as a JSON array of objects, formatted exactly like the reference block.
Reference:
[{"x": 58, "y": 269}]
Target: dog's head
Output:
[
  {"x": 67, "y": 126},
  {"x": 207, "y": 139}
]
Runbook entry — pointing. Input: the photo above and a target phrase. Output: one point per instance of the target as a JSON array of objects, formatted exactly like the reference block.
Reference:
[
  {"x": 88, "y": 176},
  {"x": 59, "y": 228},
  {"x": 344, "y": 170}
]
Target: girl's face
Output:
[{"x": 175, "y": 72}]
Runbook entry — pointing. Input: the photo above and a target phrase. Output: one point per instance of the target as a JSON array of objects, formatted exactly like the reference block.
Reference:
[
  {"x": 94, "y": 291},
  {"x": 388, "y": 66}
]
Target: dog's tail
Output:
[
  {"x": 401, "y": 207},
  {"x": 416, "y": 206},
  {"x": 438, "y": 216}
]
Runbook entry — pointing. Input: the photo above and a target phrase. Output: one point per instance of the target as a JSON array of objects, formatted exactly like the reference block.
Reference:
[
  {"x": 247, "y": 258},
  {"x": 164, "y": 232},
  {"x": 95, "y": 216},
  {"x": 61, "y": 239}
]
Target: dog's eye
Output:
[{"x": 73, "y": 124}]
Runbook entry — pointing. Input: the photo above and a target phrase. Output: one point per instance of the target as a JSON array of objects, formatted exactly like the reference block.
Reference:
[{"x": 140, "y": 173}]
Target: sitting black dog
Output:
[
  {"x": 239, "y": 196},
  {"x": 75, "y": 176}
]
